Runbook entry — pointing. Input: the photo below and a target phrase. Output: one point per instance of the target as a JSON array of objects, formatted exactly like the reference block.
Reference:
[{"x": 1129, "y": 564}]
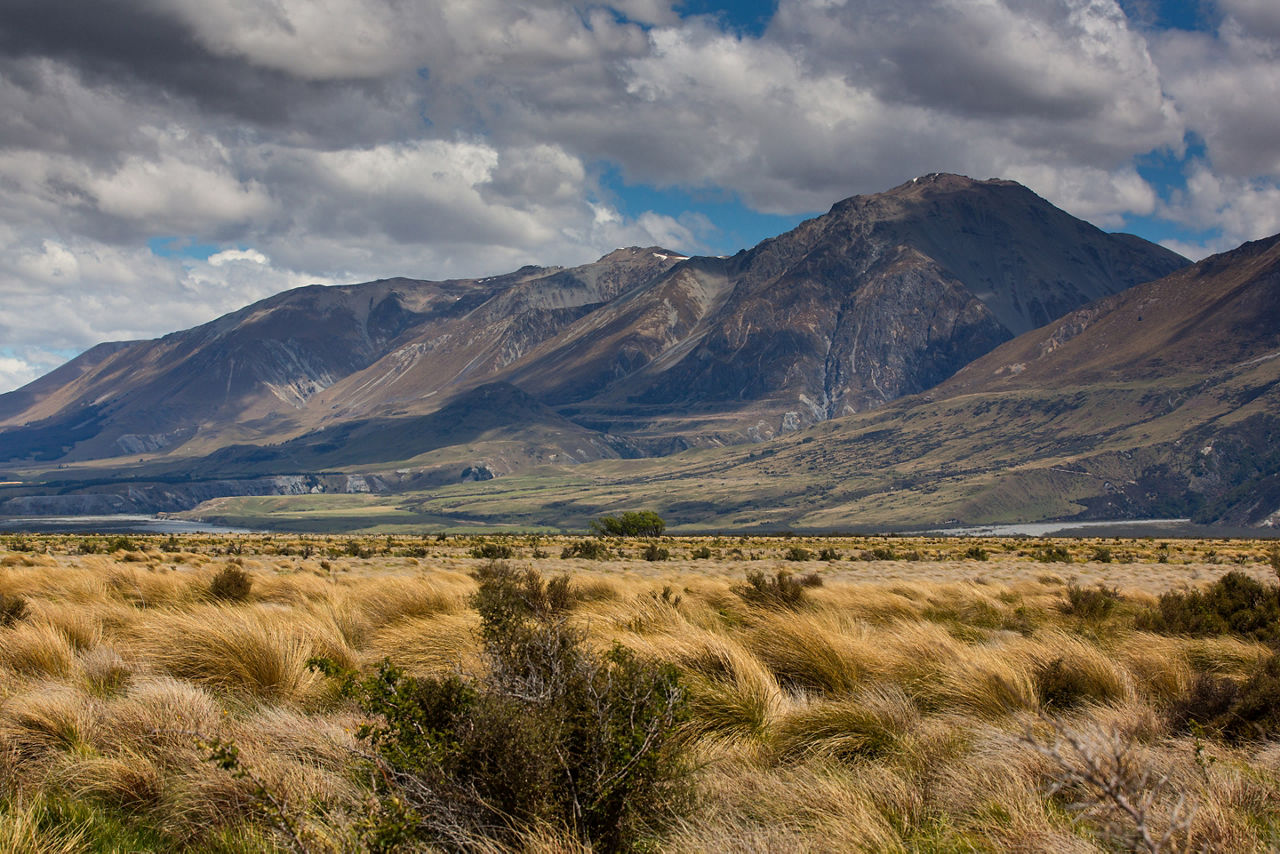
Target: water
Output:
[
  {"x": 118, "y": 524},
  {"x": 1044, "y": 529}
]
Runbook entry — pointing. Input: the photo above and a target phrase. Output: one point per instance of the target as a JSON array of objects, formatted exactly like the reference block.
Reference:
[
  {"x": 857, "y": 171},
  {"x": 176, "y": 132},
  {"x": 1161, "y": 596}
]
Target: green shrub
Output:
[
  {"x": 783, "y": 590},
  {"x": 1053, "y": 554},
  {"x": 976, "y": 553},
  {"x": 553, "y": 735},
  {"x": 492, "y": 551},
  {"x": 231, "y": 584},
  {"x": 1233, "y": 710},
  {"x": 587, "y": 549},
  {"x": 1060, "y": 687},
  {"x": 799, "y": 553},
  {"x": 1091, "y": 603},
  {"x": 642, "y": 523},
  {"x": 654, "y": 552},
  {"x": 13, "y": 607},
  {"x": 701, "y": 553},
  {"x": 119, "y": 544},
  {"x": 1234, "y": 604},
  {"x": 829, "y": 554},
  {"x": 1101, "y": 554}
]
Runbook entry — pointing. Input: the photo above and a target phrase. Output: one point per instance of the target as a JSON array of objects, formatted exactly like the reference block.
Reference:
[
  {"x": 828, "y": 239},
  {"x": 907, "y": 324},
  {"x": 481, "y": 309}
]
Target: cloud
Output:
[
  {"x": 1225, "y": 85},
  {"x": 343, "y": 140},
  {"x": 1239, "y": 209}
]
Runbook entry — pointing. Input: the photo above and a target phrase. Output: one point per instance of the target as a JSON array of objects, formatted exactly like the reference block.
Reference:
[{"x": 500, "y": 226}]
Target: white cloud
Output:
[
  {"x": 231, "y": 256},
  {"x": 1242, "y": 209}
]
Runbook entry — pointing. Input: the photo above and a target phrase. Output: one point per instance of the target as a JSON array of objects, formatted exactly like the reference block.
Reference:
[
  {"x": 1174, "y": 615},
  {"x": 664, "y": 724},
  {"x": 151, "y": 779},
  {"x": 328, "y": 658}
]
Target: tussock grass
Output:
[
  {"x": 428, "y": 645},
  {"x": 247, "y": 649},
  {"x": 35, "y": 649},
  {"x": 814, "y": 651},
  {"x": 888, "y": 712},
  {"x": 875, "y": 722},
  {"x": 48, "y": 717},
  {"x": 25, "y": 829}
]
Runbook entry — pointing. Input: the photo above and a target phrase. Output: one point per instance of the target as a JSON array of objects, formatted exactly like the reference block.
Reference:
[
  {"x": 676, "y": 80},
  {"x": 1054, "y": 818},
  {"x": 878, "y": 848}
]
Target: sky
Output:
[{"x": 163, "y": 162}]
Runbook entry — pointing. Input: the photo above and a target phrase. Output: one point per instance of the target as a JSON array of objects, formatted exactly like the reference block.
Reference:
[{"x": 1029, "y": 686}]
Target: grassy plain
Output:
[{"x": 929, "y": 695}]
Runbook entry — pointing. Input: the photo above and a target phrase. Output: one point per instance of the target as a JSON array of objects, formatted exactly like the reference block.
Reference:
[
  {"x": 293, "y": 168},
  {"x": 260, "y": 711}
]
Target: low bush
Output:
[
  {"x": 13, "y": 607},
  {"x": 552, "y": 736},
  {"x": 586, "y": 549},
  {"x": 654, "y": 552},
  {"x": 1234, "y": 604},
  {"x": 783, "y": 590},
  {"x": 1235, "y": 711},
  {"x": 1053, "y": 554},
  {"x": 701, "y": 553},
  {"x": 976, "y": 553},
  {"x": 1091, "y": 603},
  {"x": 829, "y": 555},
  {"x": 231, "y": 584},
  {"x": 1101, "y": 554},
  {"x": 492, "y": 551},
  {"x": 798, "y": 553}
]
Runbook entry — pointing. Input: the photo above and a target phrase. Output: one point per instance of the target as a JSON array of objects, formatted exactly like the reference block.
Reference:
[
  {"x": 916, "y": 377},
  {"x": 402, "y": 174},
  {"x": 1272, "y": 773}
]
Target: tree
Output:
[{"x": 640, "y": 523}]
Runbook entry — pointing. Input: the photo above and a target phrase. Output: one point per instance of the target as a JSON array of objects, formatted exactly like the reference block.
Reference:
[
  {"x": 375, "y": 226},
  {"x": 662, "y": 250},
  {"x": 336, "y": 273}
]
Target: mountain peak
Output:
[{"x": 631, "y": 253}]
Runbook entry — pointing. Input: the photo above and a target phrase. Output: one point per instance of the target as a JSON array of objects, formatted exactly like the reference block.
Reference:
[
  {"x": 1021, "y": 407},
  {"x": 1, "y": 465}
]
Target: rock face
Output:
[{"x": 643, "y": 351}]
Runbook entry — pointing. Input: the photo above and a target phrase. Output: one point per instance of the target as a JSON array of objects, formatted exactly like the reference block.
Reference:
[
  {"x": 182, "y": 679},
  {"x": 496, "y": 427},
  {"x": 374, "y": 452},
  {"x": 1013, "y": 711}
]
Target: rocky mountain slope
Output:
[
  {"x": 1160, "y": 402},
  {"x": 646, "y": 350}
]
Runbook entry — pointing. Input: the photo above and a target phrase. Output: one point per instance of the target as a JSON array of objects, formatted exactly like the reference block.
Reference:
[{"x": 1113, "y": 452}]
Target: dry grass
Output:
[{"x": 887, "y": 713}]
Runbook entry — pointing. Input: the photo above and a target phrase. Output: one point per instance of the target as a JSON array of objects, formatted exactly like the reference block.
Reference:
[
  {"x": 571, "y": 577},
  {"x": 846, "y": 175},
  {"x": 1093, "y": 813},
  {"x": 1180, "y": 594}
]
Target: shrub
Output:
[
  {"x": 1234, "y": 604},
  {"x": 1233, "y": 710},
  {"x": 1059, "y": 686},
  {"x": 783, "y": 590},
  {"x": 1091, "y": 603},
  {"x": 701, "y": 553},
  {"x": 1101, "y": 554},
  {"x": 231, "y": 584},
  {"x": 553, "y": 736},
  {"x": 119, "y": 544},
  {"x": 642, "y": 523},
  {"x": 976, "y": 553},
  {"x": 587, "y": 549},
  {"x": 492, "y": 551},
  {"x": 1053, "y": 554},
  {"x": 654, "y": 552},
  {"x": 828, "y": 554},
  {"x": 799, "y": 553},
  {"x": 13, "y": 607}
]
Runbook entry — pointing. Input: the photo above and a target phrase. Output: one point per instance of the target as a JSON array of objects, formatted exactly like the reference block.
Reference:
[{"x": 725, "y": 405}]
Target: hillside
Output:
[
  {"x": 1100, "y": 415},
  {"x": 885, "y": 295}
]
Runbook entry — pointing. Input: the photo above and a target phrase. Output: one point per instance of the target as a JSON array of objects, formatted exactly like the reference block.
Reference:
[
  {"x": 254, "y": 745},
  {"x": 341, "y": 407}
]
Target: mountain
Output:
[
  {"x": 644, "y": 349},
  {"x": 1159, "y": 402}
]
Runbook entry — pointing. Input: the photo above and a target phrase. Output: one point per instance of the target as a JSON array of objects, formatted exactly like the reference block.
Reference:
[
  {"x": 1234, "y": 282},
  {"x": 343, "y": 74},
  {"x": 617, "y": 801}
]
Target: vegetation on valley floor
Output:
[{"x": 916, "y": 694}]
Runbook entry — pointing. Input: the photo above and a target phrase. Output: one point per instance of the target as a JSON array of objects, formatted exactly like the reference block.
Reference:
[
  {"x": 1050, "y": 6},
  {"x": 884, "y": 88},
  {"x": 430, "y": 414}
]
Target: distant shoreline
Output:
[{"x": 111, "y": 524}]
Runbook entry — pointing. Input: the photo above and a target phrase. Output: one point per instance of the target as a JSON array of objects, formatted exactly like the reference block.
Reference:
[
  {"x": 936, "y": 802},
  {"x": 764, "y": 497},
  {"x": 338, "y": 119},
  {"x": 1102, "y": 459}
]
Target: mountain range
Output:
[{"x": 951, "y": 338}]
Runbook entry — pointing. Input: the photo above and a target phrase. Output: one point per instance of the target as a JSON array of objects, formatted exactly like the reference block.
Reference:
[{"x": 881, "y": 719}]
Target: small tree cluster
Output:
[{"x": 641, "y": 523}]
